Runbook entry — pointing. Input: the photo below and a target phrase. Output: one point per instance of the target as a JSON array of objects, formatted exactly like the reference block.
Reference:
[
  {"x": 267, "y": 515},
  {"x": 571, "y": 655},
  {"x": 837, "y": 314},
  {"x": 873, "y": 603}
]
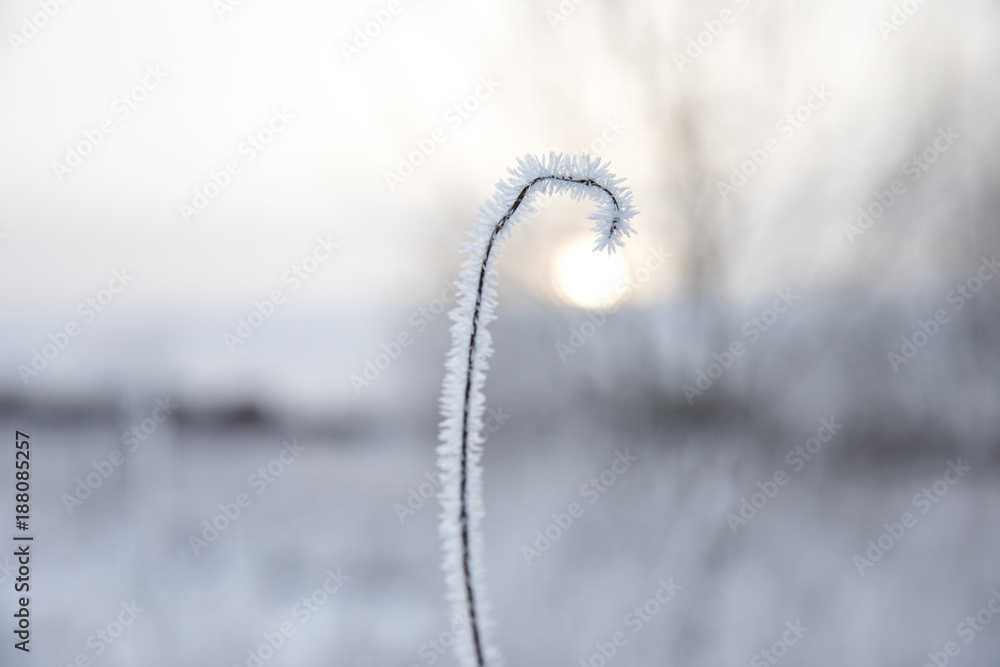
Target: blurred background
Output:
[{"x": 228, "y": 233}]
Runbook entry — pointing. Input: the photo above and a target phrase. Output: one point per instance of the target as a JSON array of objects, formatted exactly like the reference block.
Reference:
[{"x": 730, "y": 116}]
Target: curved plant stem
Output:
[{"x": 470, "y": 342}]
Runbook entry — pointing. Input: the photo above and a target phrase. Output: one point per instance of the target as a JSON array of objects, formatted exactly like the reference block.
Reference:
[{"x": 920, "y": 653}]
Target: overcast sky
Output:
[{"x": 184, "y": 86}]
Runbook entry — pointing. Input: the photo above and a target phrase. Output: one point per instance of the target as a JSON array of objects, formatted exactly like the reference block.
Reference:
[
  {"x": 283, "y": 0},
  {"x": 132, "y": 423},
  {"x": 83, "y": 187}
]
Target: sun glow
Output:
[{"x": 584, "y": 278}]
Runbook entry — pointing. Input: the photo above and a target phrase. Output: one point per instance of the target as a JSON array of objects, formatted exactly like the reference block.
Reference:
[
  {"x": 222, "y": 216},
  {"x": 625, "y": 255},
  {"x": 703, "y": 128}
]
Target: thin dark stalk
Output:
[{"x": 463, "y": 513}]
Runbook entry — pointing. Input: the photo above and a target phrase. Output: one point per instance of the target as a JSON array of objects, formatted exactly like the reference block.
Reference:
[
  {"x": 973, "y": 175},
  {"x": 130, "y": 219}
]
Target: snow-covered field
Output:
[
  {"x": 657, "y": 487},
  {"x": 663, "y": 519}
]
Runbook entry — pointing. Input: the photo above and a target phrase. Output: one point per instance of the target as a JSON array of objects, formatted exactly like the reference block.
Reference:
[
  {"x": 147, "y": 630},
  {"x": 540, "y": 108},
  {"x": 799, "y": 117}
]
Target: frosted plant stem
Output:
[{"x": 461, "y": 429}]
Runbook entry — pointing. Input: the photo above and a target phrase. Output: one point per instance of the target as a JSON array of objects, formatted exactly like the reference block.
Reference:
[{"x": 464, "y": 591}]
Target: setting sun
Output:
[{"x": 584, "y": 278}]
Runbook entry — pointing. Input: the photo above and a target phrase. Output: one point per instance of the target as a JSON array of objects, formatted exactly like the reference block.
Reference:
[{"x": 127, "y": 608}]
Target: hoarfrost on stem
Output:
[{"x": 462, "y": 399}]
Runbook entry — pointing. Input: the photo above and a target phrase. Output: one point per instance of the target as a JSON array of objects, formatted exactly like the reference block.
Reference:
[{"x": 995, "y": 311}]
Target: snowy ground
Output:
[
  {"x": 669, "y": 515},
  {"x": 664, "y": 518}
]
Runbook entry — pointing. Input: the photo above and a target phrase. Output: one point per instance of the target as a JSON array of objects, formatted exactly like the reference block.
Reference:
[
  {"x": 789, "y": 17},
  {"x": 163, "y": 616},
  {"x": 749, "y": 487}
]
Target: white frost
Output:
[{"x": 462, "y": 399}]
